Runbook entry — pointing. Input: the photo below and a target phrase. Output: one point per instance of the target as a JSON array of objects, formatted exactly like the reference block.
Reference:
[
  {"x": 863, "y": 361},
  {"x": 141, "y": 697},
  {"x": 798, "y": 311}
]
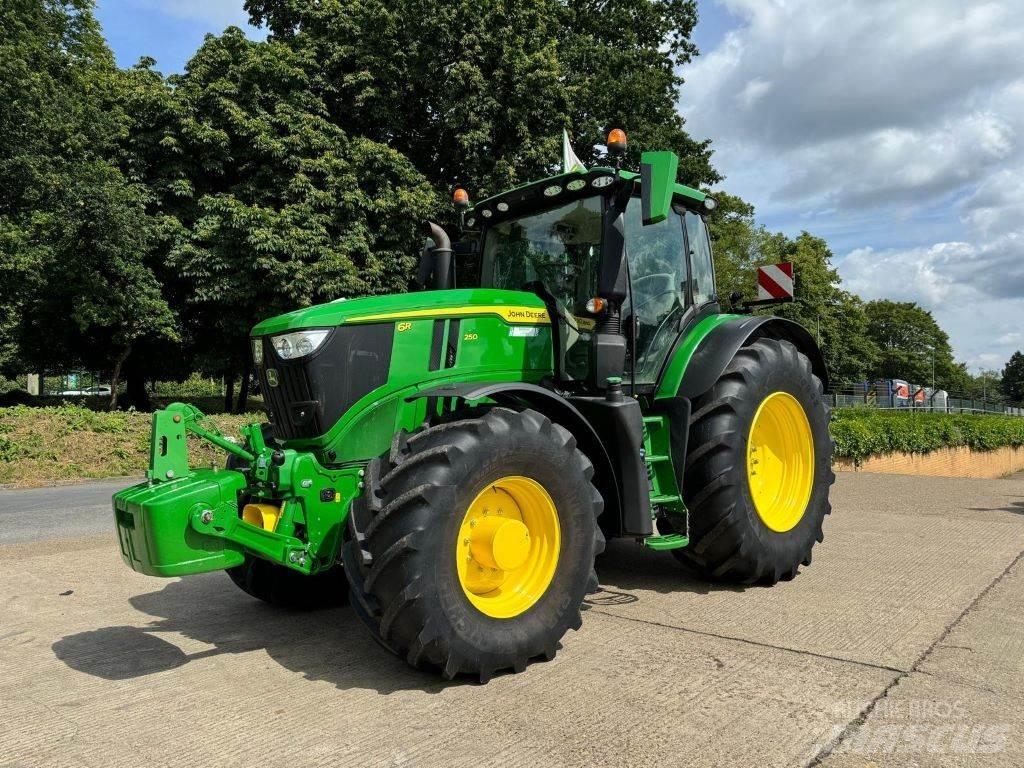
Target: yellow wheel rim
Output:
[
  {"x": 780, "y": 461},
  {"x": 508, "y": 546}
]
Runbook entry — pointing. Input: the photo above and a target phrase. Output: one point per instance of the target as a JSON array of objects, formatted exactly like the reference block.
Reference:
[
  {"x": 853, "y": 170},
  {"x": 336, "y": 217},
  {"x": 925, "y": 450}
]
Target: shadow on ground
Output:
[
  {"x": 328, "y": 645},
  {"x": 1016, "y": 507},
  {"x": 625, "y": 567}
]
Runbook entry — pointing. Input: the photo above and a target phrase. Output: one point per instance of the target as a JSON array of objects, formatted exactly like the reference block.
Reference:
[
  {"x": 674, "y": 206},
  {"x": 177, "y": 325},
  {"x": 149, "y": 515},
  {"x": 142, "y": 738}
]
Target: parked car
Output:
[{"x": 101, "y": 391}]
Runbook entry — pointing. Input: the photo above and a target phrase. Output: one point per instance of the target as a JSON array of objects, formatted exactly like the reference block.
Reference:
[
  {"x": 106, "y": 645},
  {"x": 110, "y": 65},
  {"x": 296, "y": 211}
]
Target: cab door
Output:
[{"x": 660, "y": 293}]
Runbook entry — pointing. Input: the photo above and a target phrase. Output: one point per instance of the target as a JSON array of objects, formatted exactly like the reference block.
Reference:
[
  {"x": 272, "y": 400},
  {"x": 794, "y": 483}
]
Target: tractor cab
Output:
[{"x": 623, "y": 266}]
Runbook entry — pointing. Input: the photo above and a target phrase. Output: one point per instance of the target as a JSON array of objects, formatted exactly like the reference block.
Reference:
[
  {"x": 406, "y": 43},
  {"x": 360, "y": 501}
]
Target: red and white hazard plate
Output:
[{"x": 775, "y": 282}]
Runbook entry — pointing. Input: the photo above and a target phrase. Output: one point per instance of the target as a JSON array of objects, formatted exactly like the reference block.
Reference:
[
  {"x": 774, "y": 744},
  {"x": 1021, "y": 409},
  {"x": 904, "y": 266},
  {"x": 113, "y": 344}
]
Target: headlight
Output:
[
  {"x": 298, "y": 344},
  {"x": 257, "y": 351}
]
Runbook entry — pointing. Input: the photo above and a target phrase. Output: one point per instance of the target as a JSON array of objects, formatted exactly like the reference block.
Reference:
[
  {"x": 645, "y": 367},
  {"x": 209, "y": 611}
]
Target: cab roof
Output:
[{"x": 562, "y": 186}]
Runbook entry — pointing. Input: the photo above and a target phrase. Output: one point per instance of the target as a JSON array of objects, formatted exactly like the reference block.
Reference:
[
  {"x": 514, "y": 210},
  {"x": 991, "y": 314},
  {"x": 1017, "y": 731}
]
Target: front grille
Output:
[
  {"x": 312, "y": 393},
  {"x": 293, "y": 389}
]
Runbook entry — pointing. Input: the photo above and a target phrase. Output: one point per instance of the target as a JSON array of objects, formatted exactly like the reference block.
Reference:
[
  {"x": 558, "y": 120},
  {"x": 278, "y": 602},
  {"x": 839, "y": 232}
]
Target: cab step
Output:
[
  {"x": 661, "y": 480},
  {"x": 663, "y": 543}
]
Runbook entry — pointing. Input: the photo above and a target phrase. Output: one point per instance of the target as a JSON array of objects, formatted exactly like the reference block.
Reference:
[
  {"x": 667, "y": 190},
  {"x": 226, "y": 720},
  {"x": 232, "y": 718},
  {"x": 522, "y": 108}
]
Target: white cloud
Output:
[
  {"x": 846, "y": 67},
  {"x": 896, "y": 129}
]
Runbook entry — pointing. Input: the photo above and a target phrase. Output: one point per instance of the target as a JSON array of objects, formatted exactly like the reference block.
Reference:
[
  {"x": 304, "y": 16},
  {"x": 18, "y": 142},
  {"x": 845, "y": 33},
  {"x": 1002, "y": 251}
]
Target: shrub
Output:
[{"x": 862, "y": 432}]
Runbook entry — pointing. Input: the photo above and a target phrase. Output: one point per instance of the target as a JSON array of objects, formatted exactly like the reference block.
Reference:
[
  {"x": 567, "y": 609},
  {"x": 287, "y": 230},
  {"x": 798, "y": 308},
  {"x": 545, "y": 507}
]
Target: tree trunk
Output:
[
  {"x": 229, "y": 391},
  {"x": 115, "y": 377},
  {"x": 138, "y": 395},
  {"x": 243, "y": 390}
]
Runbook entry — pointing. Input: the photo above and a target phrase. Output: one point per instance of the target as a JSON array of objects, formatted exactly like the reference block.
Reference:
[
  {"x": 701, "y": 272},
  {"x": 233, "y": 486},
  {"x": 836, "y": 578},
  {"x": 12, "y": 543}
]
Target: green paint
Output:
[
  {"x": 169, "y": 447},
  {"x": 660, "y": 469},
  {"x": 687, "y": 194},
  {"x": 161, "y": 523},
  {"x": 669, "y": 386},
  {"x": 667, "y": 542},
  {"x": 660, "y": 169},
  {"x": 355, "y": 310},
  {"x": 153, "y": 523}
]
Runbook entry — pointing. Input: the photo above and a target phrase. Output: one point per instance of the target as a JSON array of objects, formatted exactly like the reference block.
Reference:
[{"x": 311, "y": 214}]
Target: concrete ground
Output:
[{"x": 902, "y": 645}]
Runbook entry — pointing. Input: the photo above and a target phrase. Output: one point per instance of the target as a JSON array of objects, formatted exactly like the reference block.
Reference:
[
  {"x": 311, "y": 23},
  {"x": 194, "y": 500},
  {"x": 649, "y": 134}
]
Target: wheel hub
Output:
[
  {"x": 508, "y": 546},
  {"x": 780, "y": 461},
  {"x": 500, "y": 543}
]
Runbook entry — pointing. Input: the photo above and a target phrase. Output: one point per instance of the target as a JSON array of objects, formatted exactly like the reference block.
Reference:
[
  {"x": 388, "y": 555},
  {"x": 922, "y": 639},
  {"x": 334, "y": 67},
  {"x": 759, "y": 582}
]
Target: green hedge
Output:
[{"x": 861, "y": 432}]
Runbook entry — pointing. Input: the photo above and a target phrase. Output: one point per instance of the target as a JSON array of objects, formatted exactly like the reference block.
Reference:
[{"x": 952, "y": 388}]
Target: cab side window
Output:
[
  {"x": 658, "y": 279},
  {"x": 702, "y": 270}
]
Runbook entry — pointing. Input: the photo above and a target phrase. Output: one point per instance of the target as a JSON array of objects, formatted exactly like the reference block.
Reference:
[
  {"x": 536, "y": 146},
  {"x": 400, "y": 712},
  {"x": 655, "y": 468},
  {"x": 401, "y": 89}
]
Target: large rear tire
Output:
[
  {"x": 758, "y": 468},
  {"x": 479, "y": 538}
]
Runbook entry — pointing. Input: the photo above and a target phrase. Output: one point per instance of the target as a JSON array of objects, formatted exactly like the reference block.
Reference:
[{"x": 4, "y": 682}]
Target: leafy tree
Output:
[
  {"x": 150, "y": 153},
  {"x": 1013, "y": 378},
  {"x": 834, "y": 317},
  {"x": 735, "y": 240},
  {"x": 279, "y": 207},
  {"x": 54, "y": 114},
  {"x": 987, "y": 385},
  {"x": 910, "y": 344},
  {"x": 74, "y": 230},
  {"x": 621, "y": 63},
  {"x": 478, "y": 93},
  {"x": 97, "y": 299}
]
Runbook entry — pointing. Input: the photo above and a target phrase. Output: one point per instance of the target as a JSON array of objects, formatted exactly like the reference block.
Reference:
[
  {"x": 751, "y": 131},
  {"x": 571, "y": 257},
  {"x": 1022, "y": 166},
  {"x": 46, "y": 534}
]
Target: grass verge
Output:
[{"x": 43, "y": 446}]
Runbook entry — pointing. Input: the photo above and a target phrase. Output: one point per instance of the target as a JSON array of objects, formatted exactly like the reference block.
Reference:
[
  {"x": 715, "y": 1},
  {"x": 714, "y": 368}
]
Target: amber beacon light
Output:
[{"x": 616, "y": 141}]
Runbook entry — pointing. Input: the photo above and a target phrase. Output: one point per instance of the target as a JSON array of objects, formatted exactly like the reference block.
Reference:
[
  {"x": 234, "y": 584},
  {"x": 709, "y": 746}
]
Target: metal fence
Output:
[{"x": 900, "y": 395}]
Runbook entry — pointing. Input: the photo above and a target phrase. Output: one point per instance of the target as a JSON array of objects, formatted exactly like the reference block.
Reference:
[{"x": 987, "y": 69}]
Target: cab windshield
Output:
[{"x": 560, "y": 248}]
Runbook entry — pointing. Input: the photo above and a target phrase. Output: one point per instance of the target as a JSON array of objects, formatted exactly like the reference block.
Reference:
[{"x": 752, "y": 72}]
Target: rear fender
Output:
[{"x": 701, "y": 359}]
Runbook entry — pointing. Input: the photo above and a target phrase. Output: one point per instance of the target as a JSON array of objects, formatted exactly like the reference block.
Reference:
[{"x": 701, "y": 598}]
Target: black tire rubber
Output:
[
  {"x": 402, "y": 572},
  {"x": 728, "y": 540},
  {"x": 285, "y": 588}
]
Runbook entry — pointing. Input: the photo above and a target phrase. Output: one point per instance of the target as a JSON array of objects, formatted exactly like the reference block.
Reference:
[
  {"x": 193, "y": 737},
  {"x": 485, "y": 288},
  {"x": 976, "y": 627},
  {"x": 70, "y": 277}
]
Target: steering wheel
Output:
[{"x": 667, "y": 279}]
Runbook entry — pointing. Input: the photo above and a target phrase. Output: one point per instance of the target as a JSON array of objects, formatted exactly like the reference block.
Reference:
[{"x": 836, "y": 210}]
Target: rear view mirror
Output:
[{"x": 657, "y": 180}]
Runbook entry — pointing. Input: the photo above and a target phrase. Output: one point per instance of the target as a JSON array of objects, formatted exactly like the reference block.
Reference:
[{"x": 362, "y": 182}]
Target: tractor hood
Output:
[{"x": 512, "y": 306}]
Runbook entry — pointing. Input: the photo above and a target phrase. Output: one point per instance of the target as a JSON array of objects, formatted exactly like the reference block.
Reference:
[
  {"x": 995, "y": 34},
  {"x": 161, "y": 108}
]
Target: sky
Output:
[
  {"x": 894, "y": 129},
  {"x": 168, "y": 30}
]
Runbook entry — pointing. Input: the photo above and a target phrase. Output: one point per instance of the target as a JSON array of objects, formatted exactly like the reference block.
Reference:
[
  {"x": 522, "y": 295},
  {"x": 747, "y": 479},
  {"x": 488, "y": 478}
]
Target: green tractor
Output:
[{"x": 454, "y": 459}]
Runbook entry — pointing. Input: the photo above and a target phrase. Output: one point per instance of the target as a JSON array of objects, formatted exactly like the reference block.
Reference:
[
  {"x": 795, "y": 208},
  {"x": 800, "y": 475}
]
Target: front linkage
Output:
[{"x": 186, "y": 520}]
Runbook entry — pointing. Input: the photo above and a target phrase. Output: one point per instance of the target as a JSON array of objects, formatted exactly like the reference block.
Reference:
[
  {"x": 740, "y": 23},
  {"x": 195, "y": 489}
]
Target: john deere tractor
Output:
[{"x": 455, "y": 458}]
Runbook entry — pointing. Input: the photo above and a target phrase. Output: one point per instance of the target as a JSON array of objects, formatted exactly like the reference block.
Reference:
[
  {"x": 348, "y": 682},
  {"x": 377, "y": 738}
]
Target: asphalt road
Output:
[
  {"x": 62, "y": 512},
  {"x": 903, "y": 644}
]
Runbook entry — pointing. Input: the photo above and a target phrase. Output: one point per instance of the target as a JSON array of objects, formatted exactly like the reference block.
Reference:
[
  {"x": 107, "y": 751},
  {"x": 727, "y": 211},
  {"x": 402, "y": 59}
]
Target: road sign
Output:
[{"x": 775, "y": 282}]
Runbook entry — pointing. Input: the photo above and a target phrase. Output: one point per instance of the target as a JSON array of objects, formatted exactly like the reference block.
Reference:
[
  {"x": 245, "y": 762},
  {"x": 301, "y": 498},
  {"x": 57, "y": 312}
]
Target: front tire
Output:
[
  {"x": 285, "y": 588},
  {"x": 479, "y": 546},
  {"x": 758, "y": 468}
]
